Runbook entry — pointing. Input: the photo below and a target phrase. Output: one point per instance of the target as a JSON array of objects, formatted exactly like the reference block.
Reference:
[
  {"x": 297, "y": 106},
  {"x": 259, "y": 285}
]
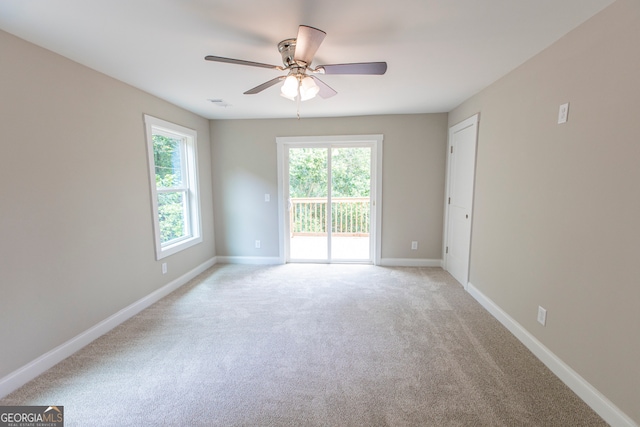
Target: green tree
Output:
[
  {"x": 308, "y": 172},
  {"x": 350, "y": 172},
  {"x": 351, "y": 178},
  {"x": 168, "y": 160}
]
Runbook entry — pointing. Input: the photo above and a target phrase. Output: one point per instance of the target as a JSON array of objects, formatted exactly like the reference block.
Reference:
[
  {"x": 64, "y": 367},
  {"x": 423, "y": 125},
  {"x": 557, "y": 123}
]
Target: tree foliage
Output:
[
  {"x": 350, "y": 172},
  {"x": 168, "y": 160},
  {"x": 308, "y": 172},
  {"x": 350, "y": 178}
]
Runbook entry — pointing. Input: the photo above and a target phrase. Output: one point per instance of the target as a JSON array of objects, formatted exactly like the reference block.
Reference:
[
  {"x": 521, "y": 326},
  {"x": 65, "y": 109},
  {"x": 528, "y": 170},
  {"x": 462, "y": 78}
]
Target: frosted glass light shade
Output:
[
  {"x": 290, "y": 87},
  {"x": 308, "y": 88}
]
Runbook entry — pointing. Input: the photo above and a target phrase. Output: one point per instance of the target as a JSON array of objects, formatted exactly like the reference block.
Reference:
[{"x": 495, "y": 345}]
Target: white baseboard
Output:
[
  {"x": 254, "y": 260},
  {"x": 592, "y": 397},
  {"x": 385, "y": 262},
  {"x": 36, "y": 367},
  {"x": 409, "y": 262}
]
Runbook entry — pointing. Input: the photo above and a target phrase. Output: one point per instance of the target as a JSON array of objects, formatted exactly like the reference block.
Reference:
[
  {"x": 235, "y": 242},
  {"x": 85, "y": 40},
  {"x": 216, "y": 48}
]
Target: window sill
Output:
[{"x": 177, "y": 247}]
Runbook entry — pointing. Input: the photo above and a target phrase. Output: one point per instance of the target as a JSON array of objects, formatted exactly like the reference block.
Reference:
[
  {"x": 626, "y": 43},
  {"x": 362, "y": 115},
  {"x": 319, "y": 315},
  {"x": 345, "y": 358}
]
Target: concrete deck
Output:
[{"x": 342, "y": 248}]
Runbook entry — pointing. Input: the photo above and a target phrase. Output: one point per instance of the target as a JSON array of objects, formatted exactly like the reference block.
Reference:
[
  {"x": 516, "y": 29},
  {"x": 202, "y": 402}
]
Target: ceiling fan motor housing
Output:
[{"x": 287, "y": 49}]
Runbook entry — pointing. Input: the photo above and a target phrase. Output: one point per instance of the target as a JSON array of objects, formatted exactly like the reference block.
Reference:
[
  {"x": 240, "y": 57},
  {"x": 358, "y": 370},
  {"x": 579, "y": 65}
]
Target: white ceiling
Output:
[{"x": 439, "y": 52}]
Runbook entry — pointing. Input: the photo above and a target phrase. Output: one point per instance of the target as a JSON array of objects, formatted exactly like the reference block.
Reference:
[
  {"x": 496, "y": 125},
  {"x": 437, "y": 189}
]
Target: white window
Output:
[{"x": 174, "y": 186}]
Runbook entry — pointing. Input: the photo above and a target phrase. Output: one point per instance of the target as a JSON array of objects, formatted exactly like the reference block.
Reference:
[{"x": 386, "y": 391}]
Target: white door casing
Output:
[
  {"x": 459, "y": 198},
  {"x": 375, "y": 141}
]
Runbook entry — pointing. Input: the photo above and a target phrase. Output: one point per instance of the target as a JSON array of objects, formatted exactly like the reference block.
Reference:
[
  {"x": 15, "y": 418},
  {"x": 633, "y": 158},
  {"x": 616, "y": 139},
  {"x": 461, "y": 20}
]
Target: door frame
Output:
[
  {"x": 471, "y": 121},
  {"x": 374, "y": 141}
]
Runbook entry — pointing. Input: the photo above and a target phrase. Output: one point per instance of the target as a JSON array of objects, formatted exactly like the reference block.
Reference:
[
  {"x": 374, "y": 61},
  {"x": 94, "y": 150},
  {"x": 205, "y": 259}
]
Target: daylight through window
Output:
[{"x": 173, "y": 178}]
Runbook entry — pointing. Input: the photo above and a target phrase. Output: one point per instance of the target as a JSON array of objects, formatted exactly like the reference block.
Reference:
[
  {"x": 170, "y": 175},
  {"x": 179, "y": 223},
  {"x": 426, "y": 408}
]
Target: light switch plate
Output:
[{"x": 563, "y": 113}]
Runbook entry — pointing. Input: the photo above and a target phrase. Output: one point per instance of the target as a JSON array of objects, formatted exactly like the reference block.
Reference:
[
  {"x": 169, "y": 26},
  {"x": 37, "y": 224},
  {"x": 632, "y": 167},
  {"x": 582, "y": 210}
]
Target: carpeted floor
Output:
[{"x": 309, "y": 345}]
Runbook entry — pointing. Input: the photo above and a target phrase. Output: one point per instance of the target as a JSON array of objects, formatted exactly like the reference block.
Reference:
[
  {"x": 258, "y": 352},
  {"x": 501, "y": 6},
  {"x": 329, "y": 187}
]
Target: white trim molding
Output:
[
  {"x": 459, "y": 266},
  {"x": 384, "y": 262},
  {"x": 250, "y": 260},
  {"x": 23, "y": 375},
  {"x": 188, "y": 188},
  {"x": 591, "y": 396},
  {"x": 375, "y": 141},
  {"x": 410, "y": 262}
]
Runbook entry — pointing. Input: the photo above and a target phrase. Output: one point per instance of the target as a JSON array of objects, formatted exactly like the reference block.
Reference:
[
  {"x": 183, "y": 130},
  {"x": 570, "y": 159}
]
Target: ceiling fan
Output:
[{"x": 297, "y": 54}]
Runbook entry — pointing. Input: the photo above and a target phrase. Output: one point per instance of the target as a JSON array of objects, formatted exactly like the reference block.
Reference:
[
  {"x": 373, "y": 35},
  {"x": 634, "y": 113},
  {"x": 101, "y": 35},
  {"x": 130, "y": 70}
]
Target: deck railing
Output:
[{"x": 349, "y": 216}]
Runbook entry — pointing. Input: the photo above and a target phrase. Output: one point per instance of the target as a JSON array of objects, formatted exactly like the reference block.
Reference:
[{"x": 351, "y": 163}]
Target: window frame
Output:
[{"x": 190, "y": 187}]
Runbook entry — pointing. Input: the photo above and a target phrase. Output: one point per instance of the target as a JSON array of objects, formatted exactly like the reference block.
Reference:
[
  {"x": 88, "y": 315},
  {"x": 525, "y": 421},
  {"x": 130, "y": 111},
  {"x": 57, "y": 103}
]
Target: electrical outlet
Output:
[
  {"x": 257, "y": 244},
  {"x": 542, "y": 316},
  {"x": 267, "y": 197},
  {"x": 414, "y": 245},
  {"x": 563, "y": 113},
  {"x": 164, "y": 268}
]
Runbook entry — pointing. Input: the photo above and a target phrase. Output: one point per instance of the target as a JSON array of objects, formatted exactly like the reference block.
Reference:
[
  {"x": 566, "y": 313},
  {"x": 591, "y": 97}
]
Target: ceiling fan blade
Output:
[
  {"x": 241, "y": 62},
  {"x": 325, "y": 90},
  {"x": 264, "y": 86},
  {"x": 307, "y": 43},
  {"x": 374, "y": 68}
]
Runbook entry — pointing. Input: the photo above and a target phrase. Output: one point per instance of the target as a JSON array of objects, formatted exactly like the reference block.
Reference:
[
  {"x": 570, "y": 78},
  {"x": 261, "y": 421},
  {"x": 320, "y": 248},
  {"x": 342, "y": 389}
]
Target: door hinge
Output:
[
  {"x": 447, "y": 251},
  {"x": 449, "y": 202},
  {"x": 452, "y": 149}
]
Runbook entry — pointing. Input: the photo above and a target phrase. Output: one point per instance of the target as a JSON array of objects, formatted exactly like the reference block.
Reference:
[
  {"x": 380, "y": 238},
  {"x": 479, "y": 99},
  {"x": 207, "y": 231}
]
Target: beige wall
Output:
[
  {"x": 557, "y": 206},
  {"x": 245, "y": 168},
  {"x": 75, "y": 214}
]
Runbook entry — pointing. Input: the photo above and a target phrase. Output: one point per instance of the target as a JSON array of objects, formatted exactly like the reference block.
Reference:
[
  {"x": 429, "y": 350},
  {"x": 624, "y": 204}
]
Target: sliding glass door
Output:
[
  {"x": 308, "y": 203},
  {"x": 329, "y": 203}
]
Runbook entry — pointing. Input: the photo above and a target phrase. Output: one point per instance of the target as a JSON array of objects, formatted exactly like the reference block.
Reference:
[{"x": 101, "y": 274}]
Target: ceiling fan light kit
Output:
[
  {"x": 299, "y": 85},
  {"x": 297, "y": 55},
  {"x": 290, "y": 87},
  {"x": 308, "y": 88}
]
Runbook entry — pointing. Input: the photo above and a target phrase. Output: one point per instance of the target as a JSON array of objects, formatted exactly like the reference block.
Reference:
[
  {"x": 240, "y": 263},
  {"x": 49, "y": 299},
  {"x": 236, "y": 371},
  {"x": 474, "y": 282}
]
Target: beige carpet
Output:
[{"x": 309, "y": 345}]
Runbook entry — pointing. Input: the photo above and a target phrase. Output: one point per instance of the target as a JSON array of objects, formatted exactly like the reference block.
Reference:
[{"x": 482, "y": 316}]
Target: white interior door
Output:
[{"x": 461, "y": 179}]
